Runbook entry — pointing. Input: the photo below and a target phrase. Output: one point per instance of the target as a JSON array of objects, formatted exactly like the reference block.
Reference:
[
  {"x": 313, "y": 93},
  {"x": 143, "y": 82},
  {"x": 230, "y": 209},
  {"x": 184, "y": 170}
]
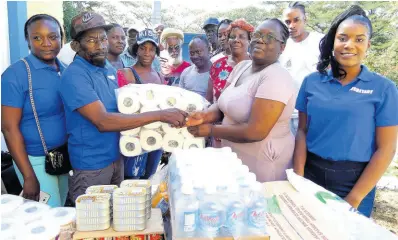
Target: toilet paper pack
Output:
[{"x": 142, "y": 98}]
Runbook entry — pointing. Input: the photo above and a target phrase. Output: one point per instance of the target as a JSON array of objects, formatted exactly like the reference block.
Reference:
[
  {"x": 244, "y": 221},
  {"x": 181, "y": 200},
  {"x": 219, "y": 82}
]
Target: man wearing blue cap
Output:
[{"x": 210, "y": 27}]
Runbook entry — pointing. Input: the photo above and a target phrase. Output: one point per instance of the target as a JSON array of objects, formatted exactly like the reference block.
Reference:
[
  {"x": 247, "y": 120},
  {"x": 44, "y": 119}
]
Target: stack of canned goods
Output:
[
  {"x": 93, "y": 212},
  {"x": 129, "y": 210},
  {"x": 102, "y": 189},
  {"x": 145, "y": 184}
]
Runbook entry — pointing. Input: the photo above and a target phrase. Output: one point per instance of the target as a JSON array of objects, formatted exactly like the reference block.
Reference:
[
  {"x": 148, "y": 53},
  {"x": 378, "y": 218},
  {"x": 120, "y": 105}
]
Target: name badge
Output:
[{"x": 111, "y": 77}]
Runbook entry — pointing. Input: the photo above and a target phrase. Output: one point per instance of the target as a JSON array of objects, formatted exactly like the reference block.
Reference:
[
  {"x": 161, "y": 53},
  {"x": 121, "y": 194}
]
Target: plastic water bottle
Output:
[
  {"x": 210, "y": 213},
  {"x": 245, "y": 187},
  {"x": 187, "y": 207},
  {"x": 198, "y": 187},
  {"x": 235, "y": 212},
  {"x": 256, "y": 212}
]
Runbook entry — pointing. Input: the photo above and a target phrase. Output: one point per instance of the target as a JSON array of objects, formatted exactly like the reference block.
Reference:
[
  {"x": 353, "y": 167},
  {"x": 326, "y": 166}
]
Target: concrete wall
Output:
[{"x": 53, "y": 8}]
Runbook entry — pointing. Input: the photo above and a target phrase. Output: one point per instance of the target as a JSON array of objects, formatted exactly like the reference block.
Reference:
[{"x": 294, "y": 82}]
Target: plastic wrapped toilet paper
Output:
[
  {"x": 150, "y": 140},
  {"x": 186, "y": 133},
  {"x": 130, "y": 146},
  {"x": 9, "y": 203},
  {"x": 10, "y": 228},
  {"x": 172, "y": 141},
  {"x": 131, "y": 132},
  {"x": 153, "y": 125},
  {"x": 169, "y": 129},
  {"x": 44, "y": 229},
  {"x": 128, "y": 102},
  {"x": 194, "y": 143},
  {"x": 65, "y": 217},
  {"x": 148, "y": 95},
  {"x": 31, "y": 211},
  {"x": 171, "y": 100}
]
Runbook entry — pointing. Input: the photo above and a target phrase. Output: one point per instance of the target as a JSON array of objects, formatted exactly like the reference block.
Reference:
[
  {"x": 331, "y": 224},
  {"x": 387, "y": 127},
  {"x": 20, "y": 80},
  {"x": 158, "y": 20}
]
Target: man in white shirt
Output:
[{"x": 302, "y": 49}]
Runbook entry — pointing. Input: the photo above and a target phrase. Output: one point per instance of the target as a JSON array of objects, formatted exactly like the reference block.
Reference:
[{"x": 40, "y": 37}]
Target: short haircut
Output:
[
  {"x": 39, "y": 17},
  {"x": 224, "y": 21},
  {"x": 284, "y": 31},
  {"x": 114, "y": 25},
  {"x": 134, "y": 51},
  {"x": 202, "y": 38}
]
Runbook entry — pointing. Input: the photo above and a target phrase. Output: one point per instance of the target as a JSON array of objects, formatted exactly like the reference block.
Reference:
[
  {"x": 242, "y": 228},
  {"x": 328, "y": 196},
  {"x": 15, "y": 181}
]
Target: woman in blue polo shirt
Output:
[
  {"x": 44, "y": 36},
  {"x": 348, "y": 116}
]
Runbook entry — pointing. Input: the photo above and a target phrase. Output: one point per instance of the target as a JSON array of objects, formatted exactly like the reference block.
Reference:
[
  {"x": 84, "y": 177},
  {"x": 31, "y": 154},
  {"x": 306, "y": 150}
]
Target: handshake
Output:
[{"x": 195, "y": 121}]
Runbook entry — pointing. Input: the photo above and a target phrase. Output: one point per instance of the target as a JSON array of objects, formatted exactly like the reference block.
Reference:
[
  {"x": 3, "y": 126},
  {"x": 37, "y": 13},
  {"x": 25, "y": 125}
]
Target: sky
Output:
[{"x": 214, "y": 4}]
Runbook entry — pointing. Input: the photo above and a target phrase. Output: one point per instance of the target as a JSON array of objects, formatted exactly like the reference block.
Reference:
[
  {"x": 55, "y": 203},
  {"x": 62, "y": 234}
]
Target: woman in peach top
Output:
[{"x": 256, "y": 107}]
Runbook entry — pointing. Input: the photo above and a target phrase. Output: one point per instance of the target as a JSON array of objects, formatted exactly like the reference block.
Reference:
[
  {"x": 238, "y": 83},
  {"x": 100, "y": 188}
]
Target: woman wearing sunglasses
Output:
[{"x": 255, "y": 107}]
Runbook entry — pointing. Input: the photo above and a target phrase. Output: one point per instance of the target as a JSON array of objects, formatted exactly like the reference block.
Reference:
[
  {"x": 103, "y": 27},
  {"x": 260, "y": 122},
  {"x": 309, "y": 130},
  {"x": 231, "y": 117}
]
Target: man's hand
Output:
[
  {"x": 31, "y": 189},
  {"x": 173, "y": 116},
  {"x": 195, "y": 119},
  {"x": 203, "y": 130}
]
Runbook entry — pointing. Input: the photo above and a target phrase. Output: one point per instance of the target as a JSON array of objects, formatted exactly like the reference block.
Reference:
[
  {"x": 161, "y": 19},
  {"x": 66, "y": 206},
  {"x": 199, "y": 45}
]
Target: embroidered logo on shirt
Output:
[{"x": 363, "y": 91}]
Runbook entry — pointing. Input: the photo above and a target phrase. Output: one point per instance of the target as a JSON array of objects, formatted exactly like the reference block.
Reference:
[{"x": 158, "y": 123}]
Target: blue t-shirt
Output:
[
  {"x": 342, "y": 120},
  {"x": 49, "y": 107},
  {"x": 83, "y": 83}
]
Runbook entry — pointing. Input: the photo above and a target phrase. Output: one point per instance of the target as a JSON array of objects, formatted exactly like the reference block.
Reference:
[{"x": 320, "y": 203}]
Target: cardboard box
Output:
[
  {"x": 306, "y": 216},
  {"x": 154, "y": 227}
]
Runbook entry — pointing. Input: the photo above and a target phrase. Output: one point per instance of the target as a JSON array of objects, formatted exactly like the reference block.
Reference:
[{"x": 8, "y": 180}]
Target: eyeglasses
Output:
[
  {"x": 240, "y": 37},
  {"x": 267, "y": 38},
  {"x": 95, "y": 41}
]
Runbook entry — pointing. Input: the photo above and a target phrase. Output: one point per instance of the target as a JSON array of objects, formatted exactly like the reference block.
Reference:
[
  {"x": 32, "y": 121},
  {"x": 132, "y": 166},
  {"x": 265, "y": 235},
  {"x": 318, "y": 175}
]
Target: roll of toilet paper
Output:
[
  {"x": 9, "y": 203},
  {"x": 65, "y": 217},
  {"x": 10, "y": 227},
  {"x": 44, "y": 229},
  {"x": 167, "y": 128},
  {"x": 130, "y": 146},
  {"x": 193, "y": 102},
  {"x": 150, "y": 140},
  {"x": 131, "y": 132},
  {"x": 128, "y": 102},
  {"x": 148, "y": 95},
  {"x": 31, "y": 211},
  {"x": 171, "y": 99},
  {"x": 194, "y": 143},
  {"x": 153, "y": 125},
  {"x": 185, "y": 133},
  {"x": 172, "y": 141}
]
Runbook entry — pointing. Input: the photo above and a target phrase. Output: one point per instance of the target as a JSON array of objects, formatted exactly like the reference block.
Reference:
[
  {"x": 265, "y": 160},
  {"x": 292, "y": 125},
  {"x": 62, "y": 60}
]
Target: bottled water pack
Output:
[{"x": 213, "y": 194}]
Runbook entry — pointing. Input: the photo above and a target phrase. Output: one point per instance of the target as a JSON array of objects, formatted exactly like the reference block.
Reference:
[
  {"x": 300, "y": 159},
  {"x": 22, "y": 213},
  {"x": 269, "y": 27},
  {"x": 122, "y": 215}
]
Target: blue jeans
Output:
[
  {"x": 152, "y": 163},
  {"x": 55, "y": 186},
  {"x": 338, "y": 177}
]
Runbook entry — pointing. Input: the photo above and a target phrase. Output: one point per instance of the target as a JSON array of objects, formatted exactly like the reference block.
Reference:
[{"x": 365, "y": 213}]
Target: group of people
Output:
[{"x": 341, "y": 136}]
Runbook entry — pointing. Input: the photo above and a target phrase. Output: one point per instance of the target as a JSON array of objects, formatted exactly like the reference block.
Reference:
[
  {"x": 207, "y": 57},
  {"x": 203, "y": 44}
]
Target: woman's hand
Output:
[
  {"x": 203, "y": 130},
  {"x": 195, "y": 119},
  {"x": 353, "y": 201},
  {"x": 31, "y": 189}
]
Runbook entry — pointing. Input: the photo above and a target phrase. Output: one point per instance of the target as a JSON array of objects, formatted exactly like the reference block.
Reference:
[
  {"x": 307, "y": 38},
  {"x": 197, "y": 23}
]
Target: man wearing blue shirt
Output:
[{"x": 92, "y": 119}]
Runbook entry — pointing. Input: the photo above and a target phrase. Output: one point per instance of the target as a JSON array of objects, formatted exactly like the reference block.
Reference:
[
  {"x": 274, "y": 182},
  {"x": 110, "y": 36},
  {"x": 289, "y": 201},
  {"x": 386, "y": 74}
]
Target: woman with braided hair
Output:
[
  {"x": 255, "y": 107},
  {"x": 348, "y": 116}
]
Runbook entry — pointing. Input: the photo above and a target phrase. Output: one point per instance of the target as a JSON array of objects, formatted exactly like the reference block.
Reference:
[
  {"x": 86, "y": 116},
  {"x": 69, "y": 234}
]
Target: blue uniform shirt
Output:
[
  {"x": 342, "y": 120},
  {"x": 49, "y": 107},
  {"x": 83, "y": 83}
]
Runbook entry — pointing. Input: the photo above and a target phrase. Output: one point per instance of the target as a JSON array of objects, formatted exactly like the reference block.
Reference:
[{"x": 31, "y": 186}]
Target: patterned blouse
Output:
[{"x": 219, "y": 74}]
